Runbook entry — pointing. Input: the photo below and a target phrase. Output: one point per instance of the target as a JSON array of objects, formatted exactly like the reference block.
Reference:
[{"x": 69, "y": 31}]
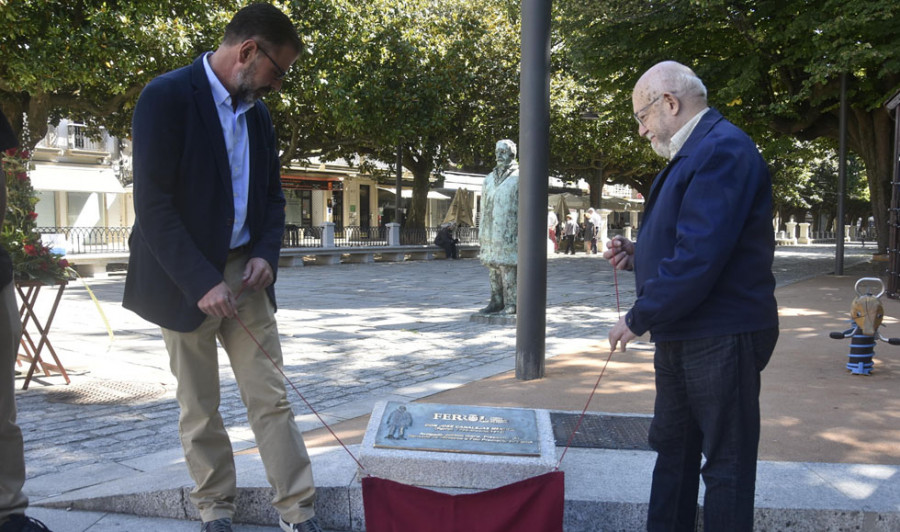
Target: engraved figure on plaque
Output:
[{"x": 398, "y": 421}]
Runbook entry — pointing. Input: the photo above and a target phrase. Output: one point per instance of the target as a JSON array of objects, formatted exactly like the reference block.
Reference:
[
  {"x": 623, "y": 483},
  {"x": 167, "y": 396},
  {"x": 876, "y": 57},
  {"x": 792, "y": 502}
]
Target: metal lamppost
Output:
[
  {"x": 399, "y": 185},
  {"x": 534, "y": 157},
  {"x": 893, "y": 291}
]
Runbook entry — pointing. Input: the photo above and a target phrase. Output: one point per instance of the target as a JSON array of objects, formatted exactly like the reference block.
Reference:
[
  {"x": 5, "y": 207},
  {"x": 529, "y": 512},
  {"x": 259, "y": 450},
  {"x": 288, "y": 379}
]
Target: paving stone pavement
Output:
[{"x": 351, "y": 334}]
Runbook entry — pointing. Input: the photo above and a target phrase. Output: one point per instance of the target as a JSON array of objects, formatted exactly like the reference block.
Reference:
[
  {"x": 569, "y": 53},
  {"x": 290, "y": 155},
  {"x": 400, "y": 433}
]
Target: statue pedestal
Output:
[
  {"x": 493, "y": 319},
  {"x": 458, "y": 446},
  {"x": 804, "y": 239},
  {"x": 791, "y": 232}
]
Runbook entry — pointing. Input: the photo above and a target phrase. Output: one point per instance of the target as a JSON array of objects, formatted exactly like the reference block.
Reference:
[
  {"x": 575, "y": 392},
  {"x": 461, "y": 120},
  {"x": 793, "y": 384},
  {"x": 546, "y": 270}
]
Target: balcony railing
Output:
[
  {"x": 78, "y": 240},
  {"x": 80, "y": 140}
]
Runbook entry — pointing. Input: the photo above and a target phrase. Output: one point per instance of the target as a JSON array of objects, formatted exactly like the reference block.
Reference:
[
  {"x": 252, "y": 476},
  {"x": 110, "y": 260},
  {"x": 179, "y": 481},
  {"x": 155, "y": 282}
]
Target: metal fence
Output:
[
  {"x": 306, "y": 236},
  {"x": 822, "y": 237},
  {"x": 81, "y": 240},
  {"x": 356, "y": 236},
  {"x": 467, "y": 235},
  {"x": 423, "y": 235}
]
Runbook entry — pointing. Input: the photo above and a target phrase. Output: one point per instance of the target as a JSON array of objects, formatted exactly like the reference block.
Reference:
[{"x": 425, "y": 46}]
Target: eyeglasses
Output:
[
  {"x": 281, "y": 72},
  {"x": 638, "y": 115}
]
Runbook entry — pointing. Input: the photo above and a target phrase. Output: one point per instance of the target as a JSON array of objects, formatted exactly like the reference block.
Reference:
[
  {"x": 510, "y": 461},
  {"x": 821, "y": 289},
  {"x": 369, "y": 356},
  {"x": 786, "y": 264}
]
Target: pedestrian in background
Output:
[
  {"x": 570, "y": 231},
  {"x": 447, "y": 241},
  {"x": 587, "y": 234},
  {"x": 552, "y": 222},
  {"x": 705, "y": 291},
  {"x": 597, "y": 223},
  {"x": 209, "y": 221}
]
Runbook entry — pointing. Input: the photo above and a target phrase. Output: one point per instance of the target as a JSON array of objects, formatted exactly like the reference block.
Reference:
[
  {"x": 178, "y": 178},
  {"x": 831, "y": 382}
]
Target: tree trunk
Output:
[
  {"x": 595, "y": 182},
  {"x": 37, "y": 108},
  {"x": 421, "y": 183},
  {"x": 871, "y": 137}
]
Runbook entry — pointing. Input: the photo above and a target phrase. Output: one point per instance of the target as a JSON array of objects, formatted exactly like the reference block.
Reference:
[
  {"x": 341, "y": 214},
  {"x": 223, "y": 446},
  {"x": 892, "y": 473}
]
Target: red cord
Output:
[
  {"x": 596, "y": 384},
  {"x": 338, "y": 439},
  {"x": 581, "y": 418},
  {"x": 616, "y": 281},
  {"x": 313, "y": 410}
]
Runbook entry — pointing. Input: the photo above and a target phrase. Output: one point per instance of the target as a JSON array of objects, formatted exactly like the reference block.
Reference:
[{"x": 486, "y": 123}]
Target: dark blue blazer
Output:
[
  {"x": 703, "y": 256},
  {"x": 184, "y": 211}
]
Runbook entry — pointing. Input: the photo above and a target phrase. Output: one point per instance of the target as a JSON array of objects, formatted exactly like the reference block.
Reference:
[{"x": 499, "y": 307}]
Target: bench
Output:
[
  {"x": 336, "y": 255},
  {"x": 94, "y": 264}
]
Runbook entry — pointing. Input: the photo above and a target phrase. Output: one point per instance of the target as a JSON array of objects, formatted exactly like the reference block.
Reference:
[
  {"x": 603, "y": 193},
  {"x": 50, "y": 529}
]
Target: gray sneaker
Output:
[
  {"x": 306, "y": 526},
  {"x": 219, "y": 525}
]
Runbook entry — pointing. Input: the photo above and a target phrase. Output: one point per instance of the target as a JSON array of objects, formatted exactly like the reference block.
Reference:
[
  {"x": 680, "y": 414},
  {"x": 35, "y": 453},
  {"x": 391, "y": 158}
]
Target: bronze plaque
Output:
[{"x": 458, "y": 429}]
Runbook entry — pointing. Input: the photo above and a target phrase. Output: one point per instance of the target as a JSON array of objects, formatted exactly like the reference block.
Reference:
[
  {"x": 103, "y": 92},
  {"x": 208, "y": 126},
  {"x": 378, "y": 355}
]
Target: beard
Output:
[
  {"x": 245, "y": 90},
  {"x": 663, "y": 149}
]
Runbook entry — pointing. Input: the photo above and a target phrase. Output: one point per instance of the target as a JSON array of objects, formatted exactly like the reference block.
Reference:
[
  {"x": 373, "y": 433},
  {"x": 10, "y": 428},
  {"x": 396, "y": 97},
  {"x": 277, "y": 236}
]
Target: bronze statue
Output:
[{"x": 499, "y": 229}]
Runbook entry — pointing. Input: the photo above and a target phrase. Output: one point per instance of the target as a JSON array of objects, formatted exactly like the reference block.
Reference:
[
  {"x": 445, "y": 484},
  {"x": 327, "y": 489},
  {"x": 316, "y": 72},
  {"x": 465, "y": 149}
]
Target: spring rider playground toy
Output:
[{"x": 867, "y": 313}]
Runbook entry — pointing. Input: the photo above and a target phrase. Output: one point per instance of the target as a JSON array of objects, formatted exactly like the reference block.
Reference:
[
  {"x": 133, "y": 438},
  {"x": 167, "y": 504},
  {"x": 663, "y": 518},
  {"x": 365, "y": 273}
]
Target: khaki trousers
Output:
[
  {"x": 12, "y": 452},
  {"x": 207, "y": 448}
]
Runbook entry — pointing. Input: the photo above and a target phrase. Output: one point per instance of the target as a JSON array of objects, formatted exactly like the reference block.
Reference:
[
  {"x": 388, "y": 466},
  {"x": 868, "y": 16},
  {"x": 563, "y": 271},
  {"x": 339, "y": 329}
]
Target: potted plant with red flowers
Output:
[{"x": 32, "y": 261}]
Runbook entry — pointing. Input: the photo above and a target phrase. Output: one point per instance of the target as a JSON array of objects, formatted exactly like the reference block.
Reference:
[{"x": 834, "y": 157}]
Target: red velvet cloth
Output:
[{"x": 531, "y": 505}]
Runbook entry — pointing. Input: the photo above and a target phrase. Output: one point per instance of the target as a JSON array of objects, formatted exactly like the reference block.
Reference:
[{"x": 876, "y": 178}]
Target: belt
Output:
[{"x": 240, "y": 249}]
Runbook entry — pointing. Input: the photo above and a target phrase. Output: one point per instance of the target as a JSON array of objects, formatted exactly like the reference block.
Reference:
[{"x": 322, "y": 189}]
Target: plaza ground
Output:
[{"x": 355, "y": 334}]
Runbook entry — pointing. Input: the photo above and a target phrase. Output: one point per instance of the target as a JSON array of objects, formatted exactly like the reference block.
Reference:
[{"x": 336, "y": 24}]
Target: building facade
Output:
[{"x": 79, "y": 180}]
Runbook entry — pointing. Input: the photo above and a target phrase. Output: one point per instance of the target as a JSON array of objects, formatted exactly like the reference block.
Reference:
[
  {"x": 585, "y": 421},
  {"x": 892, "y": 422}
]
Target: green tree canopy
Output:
[
  {"x": 89, "y": 59},
  {"x": 436, "y": 78},
  {"x": 769, "y": 66}
]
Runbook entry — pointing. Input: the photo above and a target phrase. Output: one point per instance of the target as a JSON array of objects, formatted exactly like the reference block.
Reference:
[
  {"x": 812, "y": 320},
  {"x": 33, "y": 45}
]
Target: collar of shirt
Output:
[{"x": 681, "y": 136}]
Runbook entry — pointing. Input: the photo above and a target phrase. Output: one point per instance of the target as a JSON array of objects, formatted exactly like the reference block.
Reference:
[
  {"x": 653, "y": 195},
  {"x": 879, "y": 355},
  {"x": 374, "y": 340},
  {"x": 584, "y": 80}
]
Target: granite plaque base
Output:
[{"x": 457, "y": 446}]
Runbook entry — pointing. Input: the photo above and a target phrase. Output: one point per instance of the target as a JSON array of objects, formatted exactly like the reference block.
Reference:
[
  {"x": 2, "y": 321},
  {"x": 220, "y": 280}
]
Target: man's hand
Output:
[
  {"x": 258, "y": 274},
  {"x": 620, "y": 253},
  {"x": 219, "y": 302},
  {"x": 620, "y": 333}
]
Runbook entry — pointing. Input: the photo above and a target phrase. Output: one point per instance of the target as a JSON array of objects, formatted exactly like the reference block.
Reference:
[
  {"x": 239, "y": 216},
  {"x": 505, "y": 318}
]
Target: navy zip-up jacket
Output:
[{"x": 703, "y": 256}]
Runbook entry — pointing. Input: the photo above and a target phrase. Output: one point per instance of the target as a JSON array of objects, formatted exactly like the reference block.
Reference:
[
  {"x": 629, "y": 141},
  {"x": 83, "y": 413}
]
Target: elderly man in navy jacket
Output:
[
  {"x": 705, "y": 292},
  {"x": 204, "y": 256}
]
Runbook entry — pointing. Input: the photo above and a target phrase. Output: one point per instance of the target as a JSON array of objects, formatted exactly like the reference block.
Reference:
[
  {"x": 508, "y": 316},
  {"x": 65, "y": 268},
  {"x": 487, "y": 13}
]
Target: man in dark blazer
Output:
[
  {"x": 204, "y": 255},
  {"x": 705, "y": 291}
]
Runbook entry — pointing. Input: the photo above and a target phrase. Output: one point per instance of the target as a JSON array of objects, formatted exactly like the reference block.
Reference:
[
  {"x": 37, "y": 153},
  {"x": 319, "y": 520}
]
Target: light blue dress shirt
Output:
[{"x": 237, "y": 143}]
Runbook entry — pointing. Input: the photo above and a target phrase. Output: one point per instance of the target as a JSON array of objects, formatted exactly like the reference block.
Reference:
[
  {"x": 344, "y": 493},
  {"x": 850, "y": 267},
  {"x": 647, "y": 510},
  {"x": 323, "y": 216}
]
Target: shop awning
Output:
[
  {"x": 311, "y": 182},
  {"x": 407, "y": 193},
  {"x": 75, "y": 179},
  {"x": 622, "y": 204}
]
